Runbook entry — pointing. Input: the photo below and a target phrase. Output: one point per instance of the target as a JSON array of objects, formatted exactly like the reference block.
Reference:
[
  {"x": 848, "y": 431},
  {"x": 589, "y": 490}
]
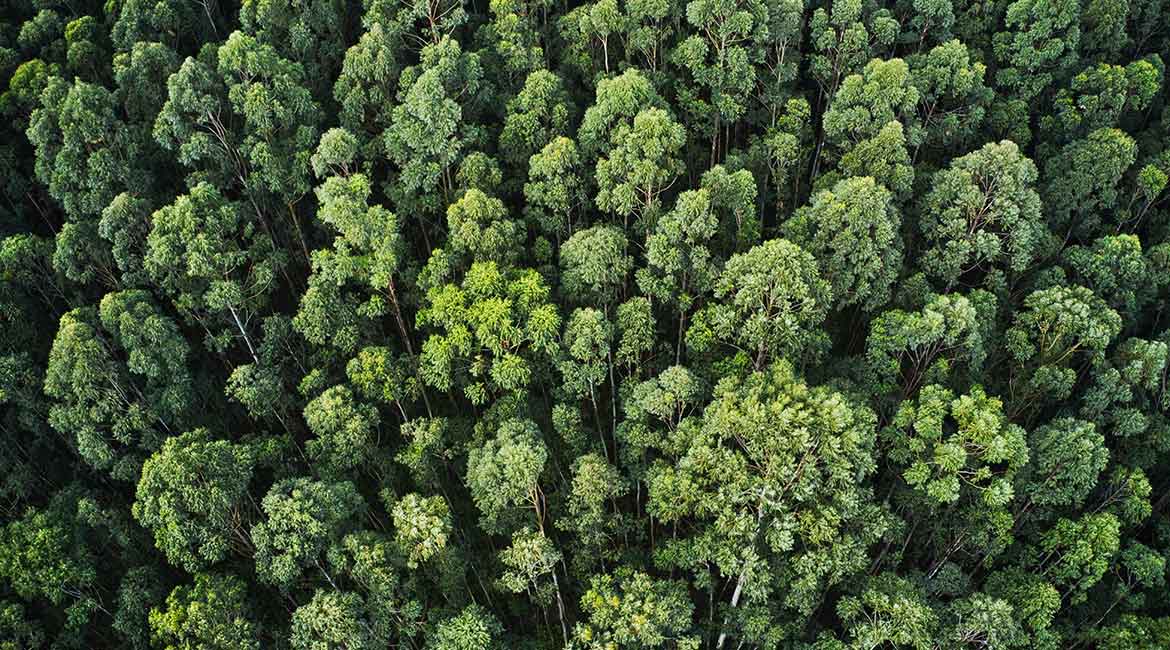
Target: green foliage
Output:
[
  {"x": 951, "y": 446},
  {"x": 983, "y": 213},
  {"x": 852, "y": 231},
  {"x": 772, "y": 301},
  {"x": 491, "y": 330},
  {"x": 629, "y": 608},
  {"x": 303, "y": 518},
  {"x": 504, "y": 473},
  {"x": 612, "y": 324},
  {"x": 344, "y": 430},
  {"x": 191, "y": 495},
  {"x": 761, "y": 505},
  {"x": 331, "y": 620},
  {"x": 209, "y": 614},
  {"x": 422, "y": 526}
]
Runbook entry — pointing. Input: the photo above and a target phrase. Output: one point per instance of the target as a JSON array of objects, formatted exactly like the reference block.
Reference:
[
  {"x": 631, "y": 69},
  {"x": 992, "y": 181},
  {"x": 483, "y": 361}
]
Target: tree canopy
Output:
[{"x": 600, "y": 325}]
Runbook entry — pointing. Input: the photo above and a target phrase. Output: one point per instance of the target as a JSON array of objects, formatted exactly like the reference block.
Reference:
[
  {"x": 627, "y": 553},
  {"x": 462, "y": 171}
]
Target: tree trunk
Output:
[{"x": 734, "y": 602}]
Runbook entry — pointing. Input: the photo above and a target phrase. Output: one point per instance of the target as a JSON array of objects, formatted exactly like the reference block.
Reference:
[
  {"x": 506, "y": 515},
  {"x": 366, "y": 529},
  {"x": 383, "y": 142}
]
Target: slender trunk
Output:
[
  {"x": 243, "y": 333},
  {"x": 734, "y": 602},
  {"x": 560, "y": 608},
  {"x": 613, "y": 397},
  {"x": 399, "y": 320},
  {"x": 597, "y": 423},
  {"x": 292, "y": 213}
]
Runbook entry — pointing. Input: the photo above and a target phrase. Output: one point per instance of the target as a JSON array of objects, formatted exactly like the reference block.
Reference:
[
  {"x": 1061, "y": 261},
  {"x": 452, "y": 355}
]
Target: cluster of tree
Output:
[{"x": 721, "y": 324}]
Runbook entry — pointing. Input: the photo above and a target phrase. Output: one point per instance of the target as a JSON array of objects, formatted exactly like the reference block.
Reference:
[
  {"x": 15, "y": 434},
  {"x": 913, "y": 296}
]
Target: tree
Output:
[
  {"x": 889, "y": 610},
  {"x": 1039, "y": 43},
  {"x": 719, "y": 56},
  {"x": 641, "y": 165},
  {"x": 772, "y": 303},
  {"x": 906, "y": 350},
  {"x": 357, "y": 279},
  {"x": 267, "y": 151},
  {"x": 1083, "y": 177},
  {"x": 45, "y": 556},
  {"x": 844, "y": 37},
  {"x": 538, "y": 115},
  {"x": 951, "y": 446},
  {"x": 312, "y": 34},
  {"x": 504, "y": 473},
  {"x": 427, "y": 133},
  {"x": 141, "y": 76},
  {"x": 117, "y": 409},
  {"x": 303, "y": 518},
  {"x": 595, "y": 484},
  {"x": 1075, "y": 554},
  {"x": 206, "y": 254},
  {"x": 618, "y": 101},
  {"x": 367, "y": 83},
  {"x": 1115, "y": 269},
  {"x": 1055, "y": 325},
  {"x": 1099, "y": 97},
  {"x": 630, "y": 608},
  {"x": 983, "y": 213},
  {"x": 84, "y": 151},
  {"x": 471, "y": 629},
  {"x": 555, "y": 190},
  {"x": 1067, "y": 456},
  {"x": 595, "y": 264},
  {"x": 19, "y": 632},
  {"x": 191, "y": 495},
  {"x": 211, "y": 613},
  {"x": 680, "y": 268},
  {"x": 588, "y": 337},
  {"x": 479, "y": 228},
  {"x": 861, "y": 111},
  {"x": 332, "y": 620},
  {"x": 852, "y": 231},
  {"x": 422, "y": 526},
  {"x": 774, "y": 514},
  {"x": 953, "y": 99},
  {"x": 498, "y": 317},
  {"x": 345, "y": 431}
]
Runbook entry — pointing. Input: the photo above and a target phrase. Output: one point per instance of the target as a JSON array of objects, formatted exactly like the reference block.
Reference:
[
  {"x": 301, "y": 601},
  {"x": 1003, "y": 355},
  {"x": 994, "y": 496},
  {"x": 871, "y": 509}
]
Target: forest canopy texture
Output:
[{"x": 626, "y": 324}]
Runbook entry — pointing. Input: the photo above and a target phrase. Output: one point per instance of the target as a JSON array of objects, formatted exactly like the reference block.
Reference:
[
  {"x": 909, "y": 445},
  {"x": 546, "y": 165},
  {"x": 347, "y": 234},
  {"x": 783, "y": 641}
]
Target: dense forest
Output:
[{"x": 522, "y": 324}]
